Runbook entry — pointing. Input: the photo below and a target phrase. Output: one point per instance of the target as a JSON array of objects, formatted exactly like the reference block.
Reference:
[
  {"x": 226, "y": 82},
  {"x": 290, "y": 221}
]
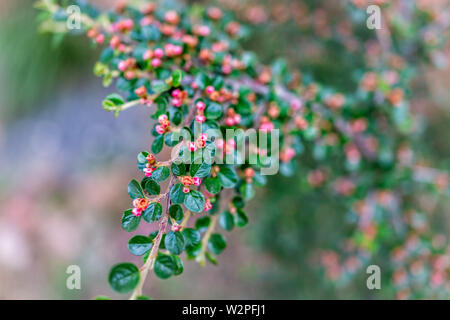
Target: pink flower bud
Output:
[
  {"x": 148, "y": 172},
  {"x": 122, "y": 66},
  {"x": 229, "y": 121},
  {"x": 231, "y": 143},
  {"x": 200, "y": 106},
  {"x": 160, "y": 129},
  {"x": 128, "y": 24},
  {"x": 175, "y": 93},
  {"x": 159, "y": 53},
  {"x": 203, "y": 137},
  {"x": 147, "y": 55},
  {"x": 209, "y": 89},
  {"x": 156, "y": 62},
  {"x": 100, "y": 38},
  {"x": 208, "y": 205},
  {"x": 176, "y": 227},
  {"x": 266, "y": 126},
  {"x": 136, "y": 212},
  {"x": 163, "y": 118},
  {"x": 226, "y": 69},
  {"x": 203, "y": 31},
  {"x": 176, "y": 102},
  {"x": 197, "y": 181},
  {"x": 177, "y": 50},
  {"x": 192, "y": 147},
  {"x": 186, "y": 190},
  {"x": 200, "y": 118},
  {"x": 237, "y": 118}
]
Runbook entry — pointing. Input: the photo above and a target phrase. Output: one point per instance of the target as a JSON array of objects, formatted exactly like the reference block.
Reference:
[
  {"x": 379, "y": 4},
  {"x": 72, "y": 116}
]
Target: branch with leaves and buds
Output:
[{"x": 190, "y": 66}]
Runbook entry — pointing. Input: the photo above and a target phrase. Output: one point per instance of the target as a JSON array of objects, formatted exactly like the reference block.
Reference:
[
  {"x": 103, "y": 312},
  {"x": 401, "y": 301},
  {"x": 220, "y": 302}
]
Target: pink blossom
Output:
[{"x": 136, "y": 212}]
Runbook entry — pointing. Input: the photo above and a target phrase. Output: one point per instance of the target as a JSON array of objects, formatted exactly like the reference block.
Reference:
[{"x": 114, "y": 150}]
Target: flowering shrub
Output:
[{"x": 189, "y": 64}]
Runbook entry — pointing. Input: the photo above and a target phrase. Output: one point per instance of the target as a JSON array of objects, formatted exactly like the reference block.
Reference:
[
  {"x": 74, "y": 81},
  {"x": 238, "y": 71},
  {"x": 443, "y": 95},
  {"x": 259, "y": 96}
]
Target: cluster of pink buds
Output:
[
  {"x": 200, "y": 143},
  {"x": 188, "y": 181},
  {"x": 266, "y": 125},
  {"x": 173, "y": 50},
  {"x": 232, "y": 118},
  {"x": 142, "y": 93},
  {"x": 172, "y": 17},
  {"x": 287, "y": 155},
  {"x": 202, "y": 31},
  {"x": 154, "y": 56},
  {"x": 178, "y": 97},
  {"x": 200, "y": 117},
  {"x": 123, "y": 25},
  {"x": 96, "y": 36},
  {"x": 139, "y": 204},
  {"x": 301, "y": 123},
  {"x": 127, "y": 67},
  {"x": 226, "y": 147},
  {"x": 176, "y": 227},
  {"x": 150, "y": 165},
  {"x": 164, "y": 124},
  {"x": 116, "y": 44},
  {"x": 208, "y": 204}
]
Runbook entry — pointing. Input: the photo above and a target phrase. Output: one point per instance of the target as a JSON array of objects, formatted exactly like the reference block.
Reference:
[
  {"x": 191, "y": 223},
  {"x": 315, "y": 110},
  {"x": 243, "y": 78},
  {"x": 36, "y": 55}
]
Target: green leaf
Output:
[
  {"x": 238, "y": 202},
  {"x": 112, "y": 102},
  {"x": 217, "y": 243},
  {"x": 135, "y": 190},
  {"x": 164, "y": 266},
  {"x": 226, "y": 221},
  {"x": 213, "y": 185},
  {"x": 161, "y": 173},
  {"x": 213, "y": 111},
  {"x": 160, "y": 86},
  {"x": 174, "y": 242},
  {"x": 129, "y": 221},
  {"x": 150, "y": 33},
  {"x": 177, "y": 195},
  {"x": 143, "y": 298},
  {"x": 176, "y": 212},
  {"x": 241, "y": 219},
  {"x": 170, "y": 139},
  {"x": 139, "y": 245},
  {"x": 177, "y": 76},
  {"x": 158, "y": 144},
  {"x": 227, "y": 176},
  {"x": 211, "y": 258},
  {"x": 200, "y": 170},
  {"x": 191, "y": 236},
  {"x": 195, "y": 201},
  {"x": 247, "y": 190},
  {"x": 178, "y": 169},
  {"x": 142, "y": 157},
  {"x": 202, "y": 223},
  {"x": 152, "y": 187},
  {"x": 178, "y": 264},
  {"x": 124, "y": 277},
  {"x": 153, "y": 212}
]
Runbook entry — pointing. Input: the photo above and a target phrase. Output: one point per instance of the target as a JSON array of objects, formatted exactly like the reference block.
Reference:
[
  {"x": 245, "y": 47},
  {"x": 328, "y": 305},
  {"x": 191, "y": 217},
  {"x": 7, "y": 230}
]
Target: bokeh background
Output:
[{"x": 65, "y": 164}]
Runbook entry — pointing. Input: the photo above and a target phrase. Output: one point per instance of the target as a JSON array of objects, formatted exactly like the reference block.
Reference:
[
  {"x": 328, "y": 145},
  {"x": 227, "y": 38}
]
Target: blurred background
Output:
[{"x": 65, "y": 164}]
